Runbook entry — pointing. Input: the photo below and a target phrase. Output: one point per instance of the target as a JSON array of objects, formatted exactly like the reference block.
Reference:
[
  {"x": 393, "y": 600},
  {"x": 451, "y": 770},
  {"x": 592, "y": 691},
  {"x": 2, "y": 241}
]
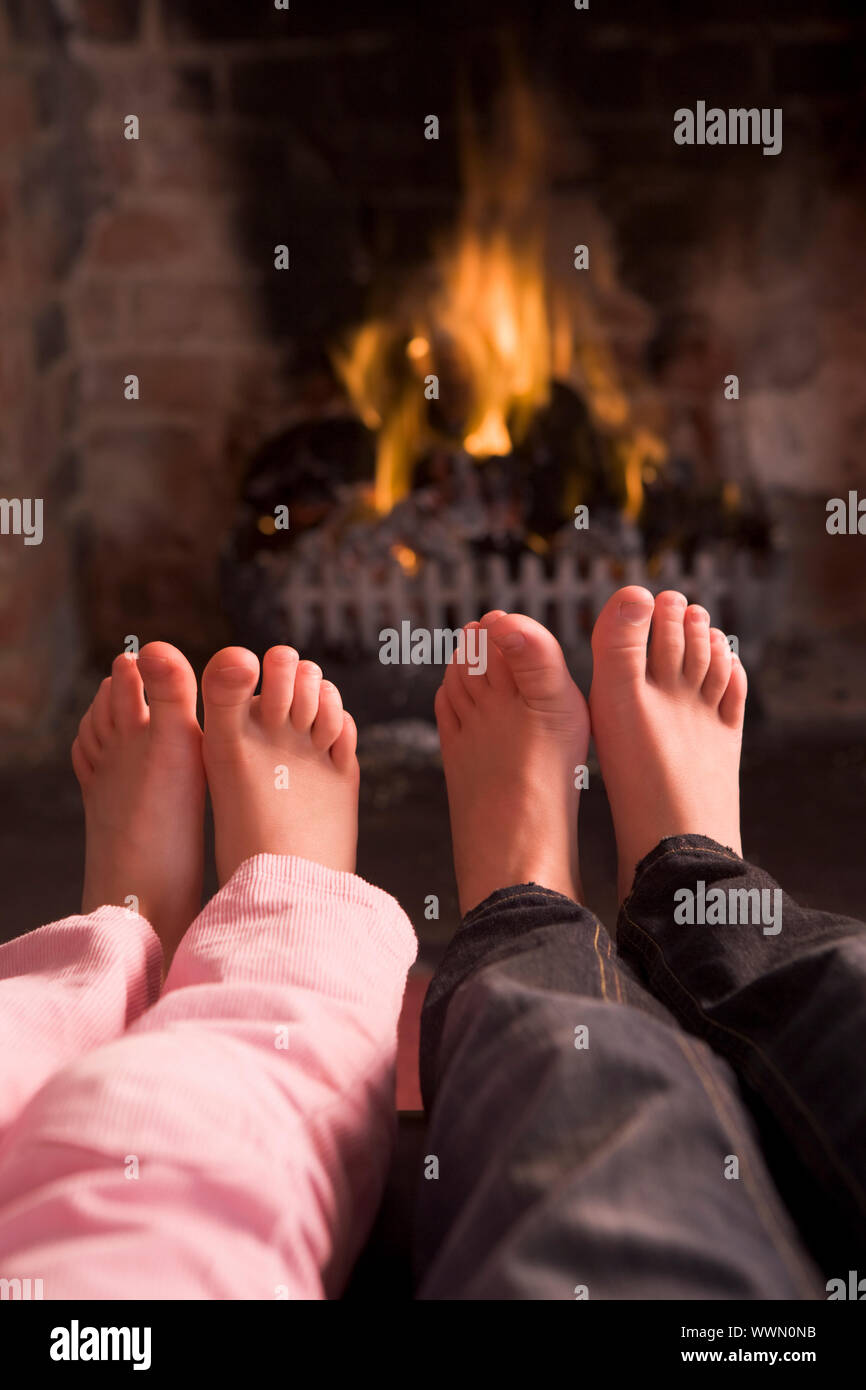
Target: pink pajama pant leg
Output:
[
  {"x": 234, "y": 1142},
  {"x": 65, "y": 989}
]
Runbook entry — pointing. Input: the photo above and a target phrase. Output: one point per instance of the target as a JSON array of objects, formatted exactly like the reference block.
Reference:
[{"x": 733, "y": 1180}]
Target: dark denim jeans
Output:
[{"x": 603, "y": 1123}]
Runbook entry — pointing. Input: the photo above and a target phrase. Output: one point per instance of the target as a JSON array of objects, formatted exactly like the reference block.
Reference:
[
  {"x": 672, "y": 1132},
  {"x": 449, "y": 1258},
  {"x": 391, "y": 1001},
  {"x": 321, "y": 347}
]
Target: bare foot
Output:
[
  {"x": 511, "y": 740},
  {"x": 281, "y": 765},
  {"x": 140, "y": 770},
  {"x": 667, "y": 724}
]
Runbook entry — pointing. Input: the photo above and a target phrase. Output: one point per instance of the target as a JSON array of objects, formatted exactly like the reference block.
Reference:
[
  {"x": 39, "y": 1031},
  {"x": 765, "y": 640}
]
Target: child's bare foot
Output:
[
  {"x": 668, "y": 724},
  {"x": 142, "y": 781},
  {"x": 511, "y": 740},
  {"x": 281, "y": 765}
]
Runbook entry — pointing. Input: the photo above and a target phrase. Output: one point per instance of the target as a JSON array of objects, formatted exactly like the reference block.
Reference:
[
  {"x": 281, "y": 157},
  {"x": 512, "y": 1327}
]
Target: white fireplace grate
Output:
[{"x": 344, "y": 608}]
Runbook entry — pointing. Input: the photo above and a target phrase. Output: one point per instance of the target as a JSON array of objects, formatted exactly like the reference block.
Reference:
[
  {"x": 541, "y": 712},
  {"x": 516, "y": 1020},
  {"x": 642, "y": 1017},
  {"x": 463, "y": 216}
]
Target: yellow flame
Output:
[
  {"x": 490, "y": 438},
  {"x": 637, "y": 450},
  {"x": 395, "y": 453},
  {"x": 491, "y": 335},
  {"x": 493, "y": 307},
  {"x": 361, "y": 369}
]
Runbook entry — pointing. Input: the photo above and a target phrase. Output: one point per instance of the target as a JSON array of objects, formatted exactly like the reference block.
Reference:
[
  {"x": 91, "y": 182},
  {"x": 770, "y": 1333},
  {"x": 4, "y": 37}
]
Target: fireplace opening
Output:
[{"x": 481, "y": 445}]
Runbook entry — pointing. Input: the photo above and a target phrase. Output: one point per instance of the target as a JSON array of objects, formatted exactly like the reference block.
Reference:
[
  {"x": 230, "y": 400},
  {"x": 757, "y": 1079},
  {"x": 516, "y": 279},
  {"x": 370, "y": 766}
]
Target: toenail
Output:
[
  {"x": 237, "y": 673},
  {"x": 634, "y": 612},
  {"x": 154, "y": 661},
  {"x": 510, "y": 641}
]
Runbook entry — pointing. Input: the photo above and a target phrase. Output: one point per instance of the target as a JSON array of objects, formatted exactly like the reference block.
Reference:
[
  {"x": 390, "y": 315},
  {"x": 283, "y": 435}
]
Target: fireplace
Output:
[
  {"x": 562, "y": 382},
  {"x": 482, "y": 446}
]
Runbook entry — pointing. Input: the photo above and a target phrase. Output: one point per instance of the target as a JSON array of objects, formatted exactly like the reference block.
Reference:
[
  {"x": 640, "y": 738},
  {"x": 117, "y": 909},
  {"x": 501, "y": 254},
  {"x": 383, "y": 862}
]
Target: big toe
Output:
[
  {"x": 535, "y": 660},
  {"x": 227, "y": 686},
  {"x": 170, "y": 687},
  {"x": 620, "y": 634}
]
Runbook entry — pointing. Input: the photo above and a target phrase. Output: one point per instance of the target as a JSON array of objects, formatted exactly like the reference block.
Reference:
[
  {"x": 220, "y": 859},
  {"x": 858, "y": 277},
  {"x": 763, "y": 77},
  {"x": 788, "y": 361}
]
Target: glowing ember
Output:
[
  {"x": 537, "y": 543},
  {"x": 406, "y": 558}
]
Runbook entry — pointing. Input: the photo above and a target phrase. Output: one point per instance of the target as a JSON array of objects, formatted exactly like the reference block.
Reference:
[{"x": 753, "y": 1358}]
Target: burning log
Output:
[{"x": 308, "y": 469}]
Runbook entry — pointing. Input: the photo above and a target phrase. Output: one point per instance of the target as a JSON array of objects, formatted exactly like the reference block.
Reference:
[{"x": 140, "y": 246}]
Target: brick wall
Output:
[
  {"x": 43, "y": 210},
  {"x": 159, "y": 291},
  {"x": 155, "y": 256}
]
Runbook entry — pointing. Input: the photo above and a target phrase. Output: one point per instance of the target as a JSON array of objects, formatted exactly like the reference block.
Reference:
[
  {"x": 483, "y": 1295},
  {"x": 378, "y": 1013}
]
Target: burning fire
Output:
[{"x": 488, "y": 339}]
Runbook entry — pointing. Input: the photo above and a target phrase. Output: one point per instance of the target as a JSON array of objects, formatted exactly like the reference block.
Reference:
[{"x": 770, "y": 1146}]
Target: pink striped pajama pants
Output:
[{"x": 225, "y": 1137}]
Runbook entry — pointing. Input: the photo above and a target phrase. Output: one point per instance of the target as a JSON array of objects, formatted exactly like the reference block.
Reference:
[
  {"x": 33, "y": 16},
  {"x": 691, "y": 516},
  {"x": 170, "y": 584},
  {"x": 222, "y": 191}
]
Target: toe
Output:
[
  {"x": 447, "y": 721},
  {"x": 667, "y": 642},
  {"x": 227, "y": 686},
  {"x": 81, "y": 764},
  {"x": 305, "y": 700},
  {"x": 87, "y": 739},
  {"x": 471, "y": 659},
  {"x": 619, "y": 637},
  {"x": 128, "y": 705},
  {"x": 328, "y": 723},
  {"x": 534, "y": 658},
  {"x": 490, "y": 618},
  {"x": 717, "y": 677},
  {"x": 278, "y": 684},
  {"x": 458, "y": 691},
  {"x": 732, "y": 706},
  {"x": 100, "y": 712},
  {"x": 343, "y": 748},
  {"x": 696, "y": 661},
  {"x": 170, "y": 686},
  {"x": 498, "y": 673}
]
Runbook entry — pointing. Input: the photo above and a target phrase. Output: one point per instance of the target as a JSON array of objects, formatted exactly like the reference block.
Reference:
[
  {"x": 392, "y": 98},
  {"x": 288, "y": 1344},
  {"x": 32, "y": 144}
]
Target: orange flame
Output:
[
  {"x": 494, "y": 307},
  {"x": 492, "y": 334}
]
